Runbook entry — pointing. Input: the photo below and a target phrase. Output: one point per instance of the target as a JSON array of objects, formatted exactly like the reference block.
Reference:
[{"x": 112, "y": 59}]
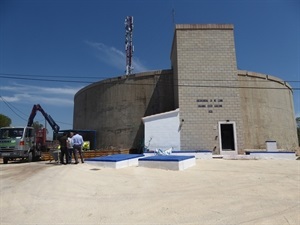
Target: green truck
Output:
[
  {"x": 23, "y": 142},
  {"x": 18, "y": 143}
]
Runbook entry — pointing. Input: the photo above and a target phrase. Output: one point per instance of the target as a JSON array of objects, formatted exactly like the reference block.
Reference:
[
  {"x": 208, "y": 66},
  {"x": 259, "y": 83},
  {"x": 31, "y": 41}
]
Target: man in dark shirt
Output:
[{"x": 63, "y": 149}]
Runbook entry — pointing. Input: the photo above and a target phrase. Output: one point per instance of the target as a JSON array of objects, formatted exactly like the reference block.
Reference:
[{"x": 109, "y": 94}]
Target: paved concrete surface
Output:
[{"x": 264, "y": 192}]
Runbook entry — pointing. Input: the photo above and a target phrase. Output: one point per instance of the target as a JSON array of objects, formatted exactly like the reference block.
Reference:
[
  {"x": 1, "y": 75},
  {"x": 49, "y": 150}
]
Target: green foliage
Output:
[
  {"x": 298, "y": 132},
  {"x": 5, "y": 121},
  {"x": 37, "y": 126},
  {"x": 298, "y": 128}
]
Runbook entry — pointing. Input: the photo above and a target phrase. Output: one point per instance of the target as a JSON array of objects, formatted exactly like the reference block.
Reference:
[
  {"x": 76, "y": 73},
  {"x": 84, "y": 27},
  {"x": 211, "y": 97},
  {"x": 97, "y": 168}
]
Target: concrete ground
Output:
[{"x": 218, "y": 191}]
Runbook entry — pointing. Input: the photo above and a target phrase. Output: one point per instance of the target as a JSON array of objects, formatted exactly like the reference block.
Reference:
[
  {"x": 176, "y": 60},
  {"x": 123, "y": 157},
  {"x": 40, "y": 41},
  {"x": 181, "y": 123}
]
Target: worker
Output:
[
  {"x": 77, "y": 141},
  {"x": 63, "y": 149},
  {"x": 71, "y": 150}
]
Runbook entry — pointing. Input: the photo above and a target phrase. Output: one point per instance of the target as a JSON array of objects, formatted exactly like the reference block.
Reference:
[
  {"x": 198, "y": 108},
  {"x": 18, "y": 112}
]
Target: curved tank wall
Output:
[
  {"x": 267, "y": 111},
  {"x": 114, "y": 107}
]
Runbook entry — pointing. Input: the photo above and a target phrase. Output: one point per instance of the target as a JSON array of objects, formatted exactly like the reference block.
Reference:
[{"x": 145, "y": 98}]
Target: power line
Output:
[
  {"x": 11, "y": 105},
  {"x": 43, "y": 75},
  {"x": 168, "y": 84},
  {"x": 46, "y": 78},
  {"x": 40, "y": 79},
  {"x": 8, "y": 105},
  {"x": 64, "y": 123}
]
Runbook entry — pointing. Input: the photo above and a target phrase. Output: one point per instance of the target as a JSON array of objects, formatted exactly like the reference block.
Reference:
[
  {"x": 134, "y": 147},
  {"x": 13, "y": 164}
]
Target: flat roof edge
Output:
[
  {"x": 204, "y": 26},
  {"x": 246, "y": 73}
]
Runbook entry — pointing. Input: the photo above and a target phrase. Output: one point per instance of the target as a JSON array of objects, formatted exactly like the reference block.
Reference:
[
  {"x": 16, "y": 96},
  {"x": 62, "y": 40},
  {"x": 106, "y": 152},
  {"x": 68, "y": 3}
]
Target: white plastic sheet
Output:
[{"x": 159, "y": 151}]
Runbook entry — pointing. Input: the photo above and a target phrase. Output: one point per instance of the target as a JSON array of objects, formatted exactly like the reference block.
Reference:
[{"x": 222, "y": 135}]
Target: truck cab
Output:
[{"x": 18, "y": 143}]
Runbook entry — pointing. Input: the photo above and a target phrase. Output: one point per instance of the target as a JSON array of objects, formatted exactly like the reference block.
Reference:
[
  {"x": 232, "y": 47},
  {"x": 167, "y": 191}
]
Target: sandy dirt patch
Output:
[{"x": 212, "y": 192}]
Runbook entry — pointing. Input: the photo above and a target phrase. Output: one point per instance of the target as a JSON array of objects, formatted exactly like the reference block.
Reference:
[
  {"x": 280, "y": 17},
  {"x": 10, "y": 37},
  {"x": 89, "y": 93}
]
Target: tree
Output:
[
  {"x": 5, "y": 121},
  {"x": 37, "y": 126},
  {"x": 298, "y": 128}
]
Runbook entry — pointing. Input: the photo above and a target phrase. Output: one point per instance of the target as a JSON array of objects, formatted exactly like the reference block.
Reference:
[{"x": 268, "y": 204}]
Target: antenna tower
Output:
[{"x": 129, "y": 48}]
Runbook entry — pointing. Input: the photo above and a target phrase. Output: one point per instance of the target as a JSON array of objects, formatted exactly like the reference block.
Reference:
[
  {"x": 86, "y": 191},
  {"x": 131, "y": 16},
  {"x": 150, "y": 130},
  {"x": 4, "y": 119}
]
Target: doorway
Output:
[{"x": 227, "y": 137}]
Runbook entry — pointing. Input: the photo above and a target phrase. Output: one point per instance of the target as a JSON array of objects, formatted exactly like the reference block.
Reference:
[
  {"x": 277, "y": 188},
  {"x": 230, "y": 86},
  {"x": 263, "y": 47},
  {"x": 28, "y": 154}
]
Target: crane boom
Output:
[{"x": 49, "y": 119}]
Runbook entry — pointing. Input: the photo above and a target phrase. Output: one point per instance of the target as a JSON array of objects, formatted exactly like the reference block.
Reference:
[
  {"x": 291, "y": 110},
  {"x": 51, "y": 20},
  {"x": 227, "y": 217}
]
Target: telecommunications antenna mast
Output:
[{"x": 128, "y": 43}]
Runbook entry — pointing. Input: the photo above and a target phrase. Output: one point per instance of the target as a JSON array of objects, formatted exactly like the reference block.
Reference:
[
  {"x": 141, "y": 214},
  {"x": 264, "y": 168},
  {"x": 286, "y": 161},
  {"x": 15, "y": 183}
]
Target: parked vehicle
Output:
[{"x": 23, "y": 142}]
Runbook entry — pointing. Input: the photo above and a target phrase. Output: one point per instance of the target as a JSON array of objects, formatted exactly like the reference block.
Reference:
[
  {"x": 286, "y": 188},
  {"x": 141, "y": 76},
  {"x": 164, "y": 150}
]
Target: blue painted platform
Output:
[
  {"x": 168, "y": 162},
  {"x": 166, "y": 158},
  {"x": 115, "y": 158},
  {"x": 116, "y": 161}
]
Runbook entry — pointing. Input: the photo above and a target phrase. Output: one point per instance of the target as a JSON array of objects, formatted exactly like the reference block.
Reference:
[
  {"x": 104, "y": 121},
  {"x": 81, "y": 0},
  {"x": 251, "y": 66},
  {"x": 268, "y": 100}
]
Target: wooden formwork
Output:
[{"x": 46, "y": 156}]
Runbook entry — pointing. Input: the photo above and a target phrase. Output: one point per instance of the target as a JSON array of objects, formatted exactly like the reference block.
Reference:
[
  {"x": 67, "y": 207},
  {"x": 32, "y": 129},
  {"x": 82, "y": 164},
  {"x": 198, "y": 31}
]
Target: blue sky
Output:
[{"x": 50, "y": 49}]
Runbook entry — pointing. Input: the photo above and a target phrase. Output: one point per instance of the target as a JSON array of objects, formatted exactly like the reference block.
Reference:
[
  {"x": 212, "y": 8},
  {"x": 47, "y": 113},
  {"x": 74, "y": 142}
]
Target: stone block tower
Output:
[{"x": 206, "y": 87}]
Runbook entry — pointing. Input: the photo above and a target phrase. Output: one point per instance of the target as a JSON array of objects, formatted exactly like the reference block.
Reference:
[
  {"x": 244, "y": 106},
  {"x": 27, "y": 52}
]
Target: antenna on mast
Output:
[{"x": 129, "y": 48}]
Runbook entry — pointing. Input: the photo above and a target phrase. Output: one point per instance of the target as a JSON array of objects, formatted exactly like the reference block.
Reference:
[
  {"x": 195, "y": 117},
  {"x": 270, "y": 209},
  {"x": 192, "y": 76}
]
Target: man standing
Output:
[
  {"x": 63, "y": 149},
  {"x": 71, "y": 149},
  {"x": 77, "y": 141}
]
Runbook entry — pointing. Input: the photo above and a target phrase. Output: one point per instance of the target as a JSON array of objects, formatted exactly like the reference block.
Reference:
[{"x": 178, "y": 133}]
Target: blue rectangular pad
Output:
[
  {"x": 115, "y": 158},
  {"x": 171, "y": 158}
]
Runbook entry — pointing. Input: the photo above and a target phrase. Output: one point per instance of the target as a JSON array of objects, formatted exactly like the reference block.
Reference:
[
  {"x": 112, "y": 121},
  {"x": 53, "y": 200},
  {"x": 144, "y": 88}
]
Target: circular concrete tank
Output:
[
  {"x": 267, "y": 111},
  {"x": 114, "y": 107}
]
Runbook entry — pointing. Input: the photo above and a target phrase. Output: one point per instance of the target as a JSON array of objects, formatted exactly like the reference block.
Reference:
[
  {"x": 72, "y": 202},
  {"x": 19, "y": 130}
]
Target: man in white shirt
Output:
[
  {"x": 77, "y": 142},
  {"x": 71, "y": 150}
]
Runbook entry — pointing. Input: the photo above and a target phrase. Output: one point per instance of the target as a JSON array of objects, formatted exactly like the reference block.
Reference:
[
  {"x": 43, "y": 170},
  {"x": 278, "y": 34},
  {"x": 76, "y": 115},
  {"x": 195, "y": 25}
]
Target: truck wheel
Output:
[
  {"x": 5, "y": 160},
  {"x": 37, "y": 158},
  {"x": 30, "y": 157},
  {"x": 36, "y": 155}
]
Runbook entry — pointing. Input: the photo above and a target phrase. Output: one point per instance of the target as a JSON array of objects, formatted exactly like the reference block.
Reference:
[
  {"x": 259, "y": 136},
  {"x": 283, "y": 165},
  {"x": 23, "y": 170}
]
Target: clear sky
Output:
[{"x": 50, "y": 49}]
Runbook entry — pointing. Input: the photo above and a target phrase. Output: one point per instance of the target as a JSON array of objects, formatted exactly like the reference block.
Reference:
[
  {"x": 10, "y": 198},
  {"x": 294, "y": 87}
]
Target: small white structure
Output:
[
  {"x": 271, "y": 146},
  {"x": 162, "y": 131},
  {"x": 168, "y": 162}
]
